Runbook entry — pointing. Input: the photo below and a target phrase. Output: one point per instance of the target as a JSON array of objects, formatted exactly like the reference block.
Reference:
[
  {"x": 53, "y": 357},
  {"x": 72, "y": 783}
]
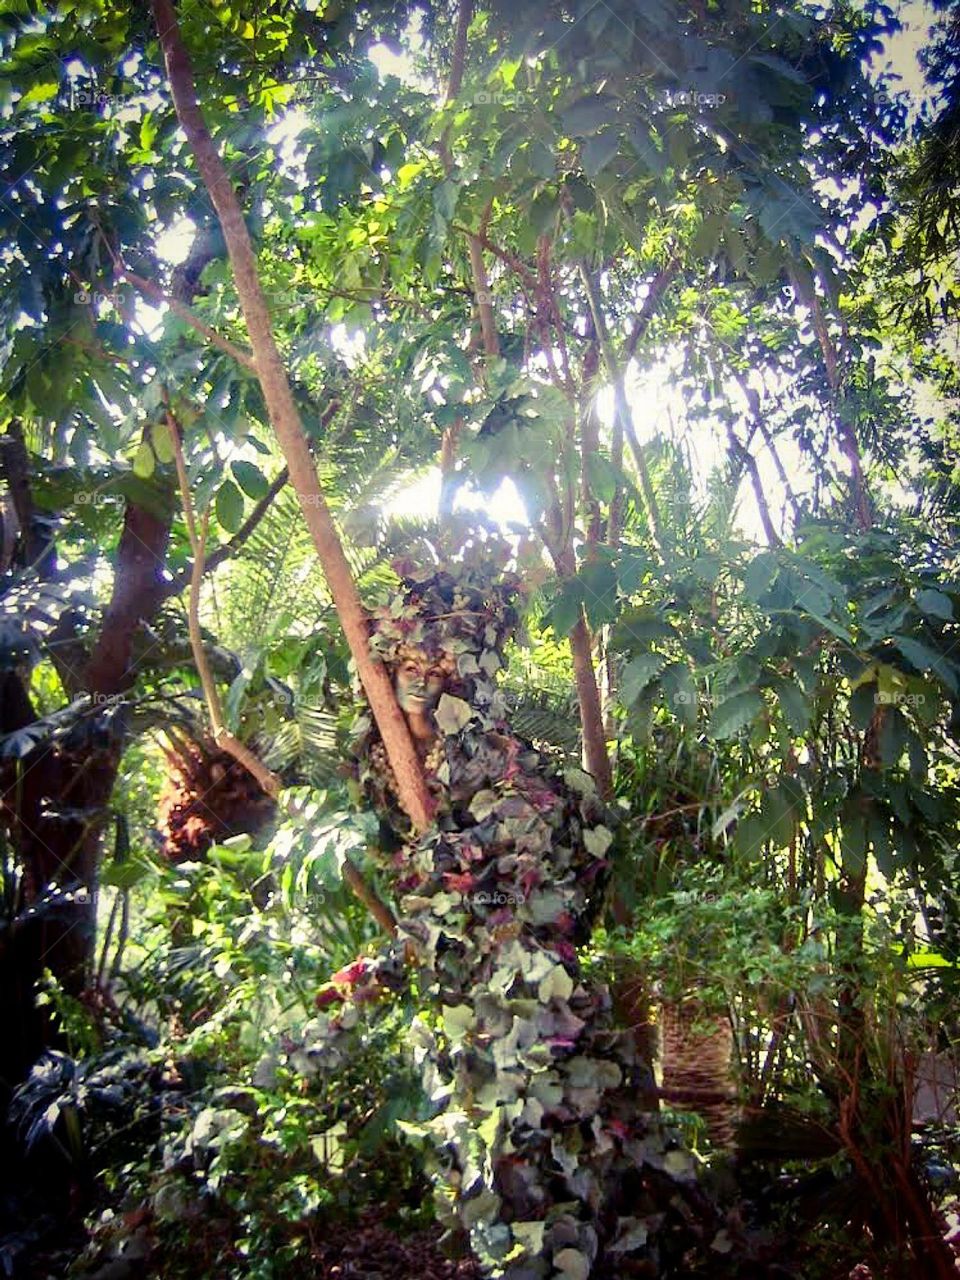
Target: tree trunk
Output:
[
  {"x": 54, "y": 803},
  {"x": 285, "y": 420},
  {"x": 696, "y": 1059}
]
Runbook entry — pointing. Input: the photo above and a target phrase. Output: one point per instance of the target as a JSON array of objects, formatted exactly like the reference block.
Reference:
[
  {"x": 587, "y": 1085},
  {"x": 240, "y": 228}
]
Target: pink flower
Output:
[{"x": 352, "y": 973}]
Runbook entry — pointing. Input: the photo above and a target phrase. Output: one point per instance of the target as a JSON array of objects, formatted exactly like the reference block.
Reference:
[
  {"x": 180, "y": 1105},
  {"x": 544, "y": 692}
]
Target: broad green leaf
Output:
[
  {"x": 126, "y": 874},
  {"x": 564, "y": 612},
  {"x": 935, "y": 604},
  {"x": 759, "y": 574},
  {"x": 793, "y": 703},
  {"x": 250, "y": 479},
  {"x": 680, "y": 692},
  {"x": 734, "y": 714},
  {"x": 162, "y": 444},
  {"x": 597, "y": 152},
  {"x": 599, "y": 582},
  {"x": 589, "y": 114},
  {"x": 144, "y": 462},
  {"x": 229, "y": 506},
  {"x": 924, "y": 658},
  {"x": 637, "y": 675}
]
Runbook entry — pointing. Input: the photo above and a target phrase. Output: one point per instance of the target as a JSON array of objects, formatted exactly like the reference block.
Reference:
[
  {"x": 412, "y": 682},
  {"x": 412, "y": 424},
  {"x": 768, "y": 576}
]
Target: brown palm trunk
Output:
[{"x": 697, "y": 1061}]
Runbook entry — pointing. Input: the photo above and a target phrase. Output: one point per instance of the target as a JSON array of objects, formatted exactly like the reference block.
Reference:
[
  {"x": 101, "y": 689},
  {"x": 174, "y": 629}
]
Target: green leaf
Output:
[
  {"x": 750, "y": 837},
  {"x": 148, "y": 131},
  {"x": 229, "y": 506},
  {"x": 144, "y": 462},
  {"x": 781, "y": 809},
  {"x": 565, "y": 611},
  {"x": 935, "y": 604},
  {"x": 892, "y": 737},
  {"x": 681, "y": 692},
  {"x": 43, "y": 91},
  {"x": 587, "y": 115},
  {"x": 601, "y": 475},
  {"x": 599, "y": 151},
  {"x": 638, "y": 674},
  {"x": 793, "y": 704},
  {"x": 572, "y": 1264},
  {"x": 542, "y": 160},
  {"x": 557, "y": 983},
  {"x": 162, "y": 444},
  {"x": 124, "y": 875},
  {"x": 735, "y": 713},
  {"x": 759, "y": 574},
  {"x": 924, "y": 658},
  {"x": 250, "y": 479},
  {"x": 599, "y": 582}
]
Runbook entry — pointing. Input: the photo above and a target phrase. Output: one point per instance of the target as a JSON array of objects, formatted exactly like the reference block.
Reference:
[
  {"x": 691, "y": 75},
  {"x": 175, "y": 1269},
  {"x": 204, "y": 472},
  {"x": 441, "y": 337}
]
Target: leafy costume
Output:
[{"x": 540, "y": 1155}]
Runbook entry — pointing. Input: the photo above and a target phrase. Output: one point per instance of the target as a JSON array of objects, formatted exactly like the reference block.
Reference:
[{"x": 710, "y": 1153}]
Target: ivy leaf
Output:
[
  {"x": 452, "y": 714},
  {"x": 229, "y": 506},
  {"x": 557, "y": 983},
  {"x": 530, "y": 1235},
  {"x": 735, "y": 713},
  {"x": 572, "y": 1264},
  {"x": 598, "y": 840}
]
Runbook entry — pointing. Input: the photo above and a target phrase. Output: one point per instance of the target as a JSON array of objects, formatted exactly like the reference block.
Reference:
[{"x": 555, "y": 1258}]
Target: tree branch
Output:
[
  {"x": 458, "y": 61},
  {"x": 622, "y": 417},
  {"x": 807, "y": 294},
  {"x": 228, "y": 549},
  {"x": 413, "y": 792},
  {"x": 658, "y": 287},
  {"x": 267, "y": 779},
  {"x": 180, "y": 309},
  {"x": 742, "y": 453}
]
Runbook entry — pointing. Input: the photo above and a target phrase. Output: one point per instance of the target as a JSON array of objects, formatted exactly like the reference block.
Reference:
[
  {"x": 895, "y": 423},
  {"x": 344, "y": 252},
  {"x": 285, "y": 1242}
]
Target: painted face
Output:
[{"x": 419, "y": 684}]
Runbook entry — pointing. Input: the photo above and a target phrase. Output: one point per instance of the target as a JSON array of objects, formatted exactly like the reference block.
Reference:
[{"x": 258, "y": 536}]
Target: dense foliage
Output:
[{"x": 670, "y": 290}]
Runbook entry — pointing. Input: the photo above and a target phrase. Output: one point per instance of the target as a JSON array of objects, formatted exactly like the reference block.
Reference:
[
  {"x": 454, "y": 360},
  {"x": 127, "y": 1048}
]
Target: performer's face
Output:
[{"x": 419, "y": 683}]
